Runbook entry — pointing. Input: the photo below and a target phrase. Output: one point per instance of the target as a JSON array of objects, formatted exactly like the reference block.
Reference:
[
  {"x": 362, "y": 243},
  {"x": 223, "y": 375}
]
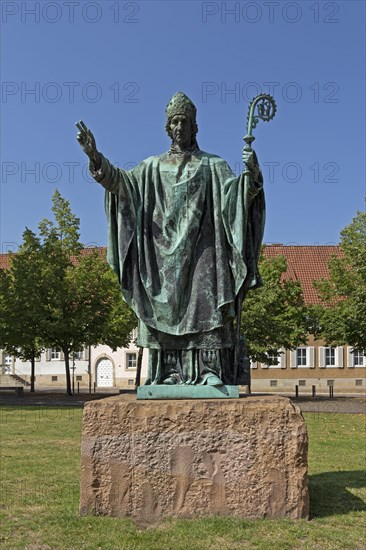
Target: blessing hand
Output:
[{"x": 87, "y": 142}]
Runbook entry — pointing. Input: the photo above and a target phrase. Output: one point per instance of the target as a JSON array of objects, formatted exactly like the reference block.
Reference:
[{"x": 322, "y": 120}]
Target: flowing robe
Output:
[{"x": 184, "y": 238}]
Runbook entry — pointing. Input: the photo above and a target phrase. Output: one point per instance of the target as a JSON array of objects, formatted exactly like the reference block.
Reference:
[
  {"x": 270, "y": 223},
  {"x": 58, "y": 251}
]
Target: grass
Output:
[{"x": 40, "y": 470}]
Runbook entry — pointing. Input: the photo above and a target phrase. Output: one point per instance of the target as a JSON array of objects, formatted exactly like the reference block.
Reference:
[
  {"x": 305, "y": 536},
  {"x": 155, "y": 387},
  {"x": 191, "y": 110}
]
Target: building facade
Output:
[
  {"x": 315, "y": 364},
  {"x": 93, "y": 368}
]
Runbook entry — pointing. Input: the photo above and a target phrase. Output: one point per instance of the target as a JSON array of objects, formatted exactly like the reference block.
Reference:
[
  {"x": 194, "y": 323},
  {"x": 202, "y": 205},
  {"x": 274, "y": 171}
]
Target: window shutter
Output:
[
  {"x": 86, "y": 353},
  {"x": 350, "y": 358},
  {"x": 282, "y": 358},
  {"x": 254, "y": 364},
  {"x": 62, "y": 356},
  {"x": 48, "y": 354},
  {"x": 321, "y": 357},
  {"x": 293, "y": 358},
  {"x": 2, "y": 357},
  {"x": 339, "y": 357},
  {"x": 264, "y": 366},
  {"x": 310, "y": 357}
]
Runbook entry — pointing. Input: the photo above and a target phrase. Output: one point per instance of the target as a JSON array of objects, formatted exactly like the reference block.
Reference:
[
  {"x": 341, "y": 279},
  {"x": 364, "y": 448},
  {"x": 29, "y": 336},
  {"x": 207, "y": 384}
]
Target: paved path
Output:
[
  {"x": 351, "y": 405},
  {"x": 347, "y": 404}
]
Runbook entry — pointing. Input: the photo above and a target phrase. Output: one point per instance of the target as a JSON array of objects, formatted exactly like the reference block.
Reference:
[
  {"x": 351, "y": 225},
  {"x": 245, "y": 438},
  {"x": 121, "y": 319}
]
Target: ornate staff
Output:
[{"x": 262, "y": 107}]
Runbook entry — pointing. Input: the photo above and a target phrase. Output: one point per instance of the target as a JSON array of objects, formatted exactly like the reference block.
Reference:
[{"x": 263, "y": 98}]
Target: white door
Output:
[{"x": 105, "y": 374}]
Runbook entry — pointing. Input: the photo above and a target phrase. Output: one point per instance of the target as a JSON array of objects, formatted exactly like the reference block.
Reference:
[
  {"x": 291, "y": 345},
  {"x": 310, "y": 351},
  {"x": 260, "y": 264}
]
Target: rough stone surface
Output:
[{"x": 149, "y": 460}]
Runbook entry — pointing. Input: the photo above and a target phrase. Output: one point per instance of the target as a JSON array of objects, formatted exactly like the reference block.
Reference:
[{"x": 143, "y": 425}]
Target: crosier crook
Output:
[{"x": 263, "y": 107}]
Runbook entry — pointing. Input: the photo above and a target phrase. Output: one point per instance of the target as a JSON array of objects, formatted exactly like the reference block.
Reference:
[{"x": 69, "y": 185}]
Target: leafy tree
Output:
[
  {"x": 84, "y": 307},
  {"x": 72, "y": 294},
  {"x": 121, "y": 319},
  {"x": 22, "y": 303},
  {"x": 343, "y": 320},
  {"x": 274, "y": 315},
  {"x": 82, "y": 296}
]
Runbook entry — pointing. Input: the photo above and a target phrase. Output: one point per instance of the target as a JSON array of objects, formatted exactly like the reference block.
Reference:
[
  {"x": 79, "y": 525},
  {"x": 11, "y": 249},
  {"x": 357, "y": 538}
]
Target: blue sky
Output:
[{"x": 115, "y": 65}]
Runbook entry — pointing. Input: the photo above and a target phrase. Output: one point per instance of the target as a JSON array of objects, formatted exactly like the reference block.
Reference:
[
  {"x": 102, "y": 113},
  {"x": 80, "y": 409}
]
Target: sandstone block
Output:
[{"x": 149, "y": 460}]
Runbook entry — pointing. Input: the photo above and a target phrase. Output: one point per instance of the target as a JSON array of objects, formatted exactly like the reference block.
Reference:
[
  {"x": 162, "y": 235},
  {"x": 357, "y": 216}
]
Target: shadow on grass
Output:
[{"x": 330, "y": 493}]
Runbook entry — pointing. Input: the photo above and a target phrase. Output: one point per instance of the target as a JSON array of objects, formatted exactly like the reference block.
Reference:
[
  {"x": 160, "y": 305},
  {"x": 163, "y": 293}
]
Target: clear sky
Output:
[{"x": 115, "y": 65}]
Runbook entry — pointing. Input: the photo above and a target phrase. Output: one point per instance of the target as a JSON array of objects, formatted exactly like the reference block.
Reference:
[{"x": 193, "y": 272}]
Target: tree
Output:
[
  {"x": 22, "y": 303},
  {"x": 343, "y": 319},
  {"x": 274, "y": 315},
  {"x": 72, "y": 295},
  {"x": 82, "y": 296},
  {"x": 121, "y": 319}
]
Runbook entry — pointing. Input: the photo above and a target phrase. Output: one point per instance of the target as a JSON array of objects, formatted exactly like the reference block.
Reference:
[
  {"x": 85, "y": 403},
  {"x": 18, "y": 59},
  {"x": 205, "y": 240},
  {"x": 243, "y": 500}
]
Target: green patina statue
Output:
[{"x": 184, "y": 239}]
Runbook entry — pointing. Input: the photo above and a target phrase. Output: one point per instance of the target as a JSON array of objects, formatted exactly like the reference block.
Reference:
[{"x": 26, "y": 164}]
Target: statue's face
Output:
[{"x": 181, "y": 129}]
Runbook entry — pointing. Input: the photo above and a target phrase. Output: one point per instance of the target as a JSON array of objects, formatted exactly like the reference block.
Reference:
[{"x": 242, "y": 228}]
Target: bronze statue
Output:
[{"x": 184, "y": 239}]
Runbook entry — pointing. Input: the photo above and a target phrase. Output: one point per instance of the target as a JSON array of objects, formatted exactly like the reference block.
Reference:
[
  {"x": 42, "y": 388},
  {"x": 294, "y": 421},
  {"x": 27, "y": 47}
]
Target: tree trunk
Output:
[
  {"x": 33, "y": 370},
  {"x": 138, "y": 370},
  {"x": 67, "y": 371}
]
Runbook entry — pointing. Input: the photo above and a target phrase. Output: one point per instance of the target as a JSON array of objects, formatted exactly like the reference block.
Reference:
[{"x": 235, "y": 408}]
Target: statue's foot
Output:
[
  {"x": 173, "y": 379},
  {"x": 213, "y": 380}
]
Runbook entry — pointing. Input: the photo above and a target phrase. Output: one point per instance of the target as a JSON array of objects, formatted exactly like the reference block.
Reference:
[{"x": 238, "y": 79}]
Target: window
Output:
[
  {"x": 358, "y": 358},
  {"x": 134, "y": 335},
  {"x": 359, "y": 382},
  {"x": 273, "y": 383},
  {"x": 7, "y": 363},
  {"x": 330, "y": 382},
  {"x": 330, "y": 357},
  {"x": 54, "y": 378},
  {"x": 78, "y": 355},
  {"x": 131, "y": 360},
  {"x": 79, "y": 378},
  {"x": 276, "y": 359},
  {"x": 302, "y": 382},
  {"x": 55, "y": 354},
  {"x": 273, "y": 358},
  {"x": 131, "y": 382},
  {"x": 301, "y": 357}
]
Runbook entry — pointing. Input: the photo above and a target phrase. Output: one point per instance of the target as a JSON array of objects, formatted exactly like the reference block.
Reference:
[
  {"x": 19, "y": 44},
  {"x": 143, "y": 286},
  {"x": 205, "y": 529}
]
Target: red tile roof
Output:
[
  {"x": 4, "y": 258},
  {"x": 4, "y": 261},
  {"x": 304, "y": 264},
  {"x": 85, "y": 251}
]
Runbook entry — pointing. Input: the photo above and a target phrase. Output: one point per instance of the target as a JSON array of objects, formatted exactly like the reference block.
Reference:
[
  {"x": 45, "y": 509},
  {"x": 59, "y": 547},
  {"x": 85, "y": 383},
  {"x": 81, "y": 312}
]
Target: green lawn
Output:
[{"x": 40, "y": 469}]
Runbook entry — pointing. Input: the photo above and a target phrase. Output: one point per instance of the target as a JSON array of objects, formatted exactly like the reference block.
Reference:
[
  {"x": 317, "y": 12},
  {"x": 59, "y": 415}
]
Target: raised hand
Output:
[{"x": 87, "y": 142}]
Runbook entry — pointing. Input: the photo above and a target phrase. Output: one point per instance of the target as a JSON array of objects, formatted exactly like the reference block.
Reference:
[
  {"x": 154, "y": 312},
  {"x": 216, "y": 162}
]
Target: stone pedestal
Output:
[
  {"x": 149, "y": 460},
  {"x": 180, "y": 391}
]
